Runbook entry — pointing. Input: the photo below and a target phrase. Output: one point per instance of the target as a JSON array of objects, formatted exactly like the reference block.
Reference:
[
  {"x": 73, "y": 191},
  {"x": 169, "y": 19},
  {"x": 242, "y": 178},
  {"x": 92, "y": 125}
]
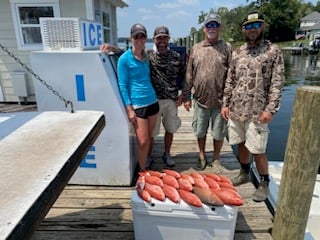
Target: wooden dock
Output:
[
  {"x": 295, "y": 50},
  {"x": 104, "y": 212}
]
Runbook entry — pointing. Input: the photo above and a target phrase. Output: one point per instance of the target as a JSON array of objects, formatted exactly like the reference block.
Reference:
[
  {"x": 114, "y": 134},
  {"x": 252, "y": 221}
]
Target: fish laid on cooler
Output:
[
  {"x": 154, "y": 173},
  {"x": 211, "y": 182},
  {"x": 224, "y": 178},
  {"x": 185, "y": 184},
  {"x": 201, "y": 183},
  {"x": 170, "y": 180},
  {"x": 226, "y": 185},
  {"x": 207, "y": 196},
  {"x": 171, "y": 193},
  {"x": 190, "y": 198},
  {"x": 155, "y": 191},
  {"x": 144, "y": 195},
  {"x": 229, "y": 197},
  {"x": 171, "y": 173},
  {"x": 154, "y": 180},
  {"x": 194, "y": 188},
  {"x": 187, "y": 177},
  {"x": 196, "y": 175},
  {"x": 213, "y": 176}
]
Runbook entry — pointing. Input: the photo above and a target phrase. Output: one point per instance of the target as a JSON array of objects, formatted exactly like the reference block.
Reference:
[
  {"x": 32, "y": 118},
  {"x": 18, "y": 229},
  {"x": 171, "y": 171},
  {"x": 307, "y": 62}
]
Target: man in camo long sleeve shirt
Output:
[
  {"x": 167, "y": 75},
  {"x": 251, "y": 97},
  {"x": 206, "y": 73}
]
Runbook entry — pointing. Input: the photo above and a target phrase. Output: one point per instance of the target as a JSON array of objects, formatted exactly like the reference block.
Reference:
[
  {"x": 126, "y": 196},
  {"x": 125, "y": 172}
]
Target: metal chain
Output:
[{"x": 36, "y": 76}]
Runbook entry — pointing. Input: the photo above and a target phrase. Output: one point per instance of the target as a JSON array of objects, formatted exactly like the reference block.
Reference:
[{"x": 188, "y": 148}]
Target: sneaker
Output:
[
  {"x": 168, "y": 160},
  {"x": 241, "y": 178},
  {"x": 217, "y": 167},
  {"x": 201, "y": 164},
  {"x": 149, "y": 162},
  {"x": 261, "y": 193}
]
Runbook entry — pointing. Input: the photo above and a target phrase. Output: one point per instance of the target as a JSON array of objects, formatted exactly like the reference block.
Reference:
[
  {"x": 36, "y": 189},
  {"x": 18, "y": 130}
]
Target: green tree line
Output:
[{"x": 282, "y": 18}]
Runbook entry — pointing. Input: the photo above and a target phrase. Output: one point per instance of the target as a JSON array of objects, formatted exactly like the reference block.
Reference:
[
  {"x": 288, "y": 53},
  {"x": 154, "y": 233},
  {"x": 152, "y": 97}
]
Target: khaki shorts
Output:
[
  {"x": 168, "y": 115},
  {"x": 201, "y": 120},
  {"x": 255, "y": 135}
]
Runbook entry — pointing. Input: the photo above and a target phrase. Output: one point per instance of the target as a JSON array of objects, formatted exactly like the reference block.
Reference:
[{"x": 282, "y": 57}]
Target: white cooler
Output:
[{"x": 168, "y": 220}]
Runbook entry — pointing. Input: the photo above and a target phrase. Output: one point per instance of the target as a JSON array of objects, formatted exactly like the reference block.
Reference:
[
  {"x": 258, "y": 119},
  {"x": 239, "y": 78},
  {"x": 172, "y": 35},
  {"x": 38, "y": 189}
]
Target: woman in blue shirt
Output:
[{"x": 137, "y": 92}]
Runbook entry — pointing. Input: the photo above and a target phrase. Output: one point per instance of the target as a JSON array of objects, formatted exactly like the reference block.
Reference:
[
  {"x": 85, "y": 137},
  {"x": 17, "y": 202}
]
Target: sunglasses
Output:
[
  {"x": 254, "y": 25},
  {"x": 140, "y": 36},
  {"x": 212, "y": 25}
]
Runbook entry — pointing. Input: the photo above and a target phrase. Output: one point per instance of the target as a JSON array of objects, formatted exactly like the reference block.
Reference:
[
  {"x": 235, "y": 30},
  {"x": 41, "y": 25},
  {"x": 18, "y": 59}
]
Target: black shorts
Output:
[{"x": 147, "y": 111}]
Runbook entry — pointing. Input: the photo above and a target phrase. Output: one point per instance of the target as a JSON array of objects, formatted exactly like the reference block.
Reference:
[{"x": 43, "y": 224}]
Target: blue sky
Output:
[{"x": 178, "y": 15}]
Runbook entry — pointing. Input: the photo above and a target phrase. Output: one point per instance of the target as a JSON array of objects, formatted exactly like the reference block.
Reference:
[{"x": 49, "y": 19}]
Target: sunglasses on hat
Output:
[
  {"x": 254, "y": 25},
  {"x": 212, "y": 25}
]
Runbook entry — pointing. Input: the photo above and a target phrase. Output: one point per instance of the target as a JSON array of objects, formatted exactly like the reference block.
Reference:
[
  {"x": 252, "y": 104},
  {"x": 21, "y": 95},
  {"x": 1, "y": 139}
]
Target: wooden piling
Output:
[{"x": 301, "y": 162}]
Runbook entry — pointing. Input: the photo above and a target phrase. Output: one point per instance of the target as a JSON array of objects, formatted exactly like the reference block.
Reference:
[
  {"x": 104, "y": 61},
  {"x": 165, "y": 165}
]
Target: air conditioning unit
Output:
[{"x": 70, "y": 34}]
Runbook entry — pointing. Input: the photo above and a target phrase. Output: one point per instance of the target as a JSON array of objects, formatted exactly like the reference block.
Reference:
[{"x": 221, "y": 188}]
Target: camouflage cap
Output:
[
  {"x": 212, "y": 17},
  {"x": 254, "y": 16}
]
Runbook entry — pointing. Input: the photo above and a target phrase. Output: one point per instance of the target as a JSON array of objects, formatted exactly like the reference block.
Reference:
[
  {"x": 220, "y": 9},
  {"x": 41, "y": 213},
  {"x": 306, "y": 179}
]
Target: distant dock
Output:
[{"x": 295, "y": 50}]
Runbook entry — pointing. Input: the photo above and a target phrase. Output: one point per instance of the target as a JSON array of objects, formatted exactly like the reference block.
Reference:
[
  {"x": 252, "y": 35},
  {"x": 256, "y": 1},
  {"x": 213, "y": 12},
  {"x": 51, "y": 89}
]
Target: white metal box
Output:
[
  {"x": 19, "y": 83},
  {"x": 167, "y": 220}
]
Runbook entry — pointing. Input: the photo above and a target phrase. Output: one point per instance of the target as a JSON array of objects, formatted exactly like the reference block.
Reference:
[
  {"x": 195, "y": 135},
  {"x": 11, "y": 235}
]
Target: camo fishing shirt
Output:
[
  {"x": 255, "y": 80},
  {"x": 206, "y": 73},
  {"x": 167, "y": 73}
]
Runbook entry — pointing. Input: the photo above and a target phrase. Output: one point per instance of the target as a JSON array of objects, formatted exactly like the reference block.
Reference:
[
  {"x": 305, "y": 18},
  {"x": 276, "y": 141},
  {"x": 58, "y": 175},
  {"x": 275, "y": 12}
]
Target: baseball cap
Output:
[
  {"x": 212, "y": 17},
  {"x": 161, "y": 31},
  {"x": 138, "y": 28},
  {"x": 254, "y": 16}
]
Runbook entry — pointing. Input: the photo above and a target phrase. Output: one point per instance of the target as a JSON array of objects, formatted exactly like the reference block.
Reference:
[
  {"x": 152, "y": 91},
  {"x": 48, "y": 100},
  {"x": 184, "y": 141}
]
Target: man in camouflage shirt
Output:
[
  {"x": 167, "y": 75},
  {"x": 251, "y": 97},
  {"x": 205, "y": 78}
]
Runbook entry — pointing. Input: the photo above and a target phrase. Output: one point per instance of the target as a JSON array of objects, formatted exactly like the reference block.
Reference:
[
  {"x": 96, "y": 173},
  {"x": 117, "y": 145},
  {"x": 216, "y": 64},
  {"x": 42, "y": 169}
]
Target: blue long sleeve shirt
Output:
[{"x": 134, "y": 81}]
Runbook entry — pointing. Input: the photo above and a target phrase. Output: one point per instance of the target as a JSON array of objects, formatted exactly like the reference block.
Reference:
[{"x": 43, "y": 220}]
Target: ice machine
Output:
[{"x": 88, "y": 78}]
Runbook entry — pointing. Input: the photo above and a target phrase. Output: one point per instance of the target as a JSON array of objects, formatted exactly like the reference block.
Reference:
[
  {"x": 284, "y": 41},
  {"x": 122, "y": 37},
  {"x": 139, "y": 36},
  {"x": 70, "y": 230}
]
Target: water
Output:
[
  {"x": 122, "y": 45},
  {"x": 300, "y": 70}
]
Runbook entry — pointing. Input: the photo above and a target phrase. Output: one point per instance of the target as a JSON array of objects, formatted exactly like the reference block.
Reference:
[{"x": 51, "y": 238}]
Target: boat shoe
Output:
[
  {"x": 149, "y": 162},
  {"x": 261, "y": 193},
  {"x": 201, "y": 164},
  {"x": 168, "y": 160},
  {"x": 241, "y": 178},
  {"x": 217, "y": 167}
]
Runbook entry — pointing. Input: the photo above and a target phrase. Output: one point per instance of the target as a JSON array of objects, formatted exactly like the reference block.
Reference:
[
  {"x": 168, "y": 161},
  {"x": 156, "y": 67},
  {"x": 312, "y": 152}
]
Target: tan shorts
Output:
[
  {"x": 255, "y": 135},
  {"x": 168, "y": 115}
]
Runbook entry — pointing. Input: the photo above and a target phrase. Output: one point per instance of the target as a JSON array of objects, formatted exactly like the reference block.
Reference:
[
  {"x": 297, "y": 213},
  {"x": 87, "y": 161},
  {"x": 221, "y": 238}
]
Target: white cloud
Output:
[
  {"x": 177, "y": 4},
  {"x": 148, "y": 17},
  {"x": 144, "y": 10},
  {"x": 122, "y": 14},
  {"x": 176, "y": 15},
  {"x": 168, "y": 5},
  {"x": 189, "y": 2}
]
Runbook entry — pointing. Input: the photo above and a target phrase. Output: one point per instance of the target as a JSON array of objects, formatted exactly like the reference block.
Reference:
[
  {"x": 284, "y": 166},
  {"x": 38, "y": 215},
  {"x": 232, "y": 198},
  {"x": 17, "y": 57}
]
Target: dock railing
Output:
[{"x": 295, "y": 50}]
